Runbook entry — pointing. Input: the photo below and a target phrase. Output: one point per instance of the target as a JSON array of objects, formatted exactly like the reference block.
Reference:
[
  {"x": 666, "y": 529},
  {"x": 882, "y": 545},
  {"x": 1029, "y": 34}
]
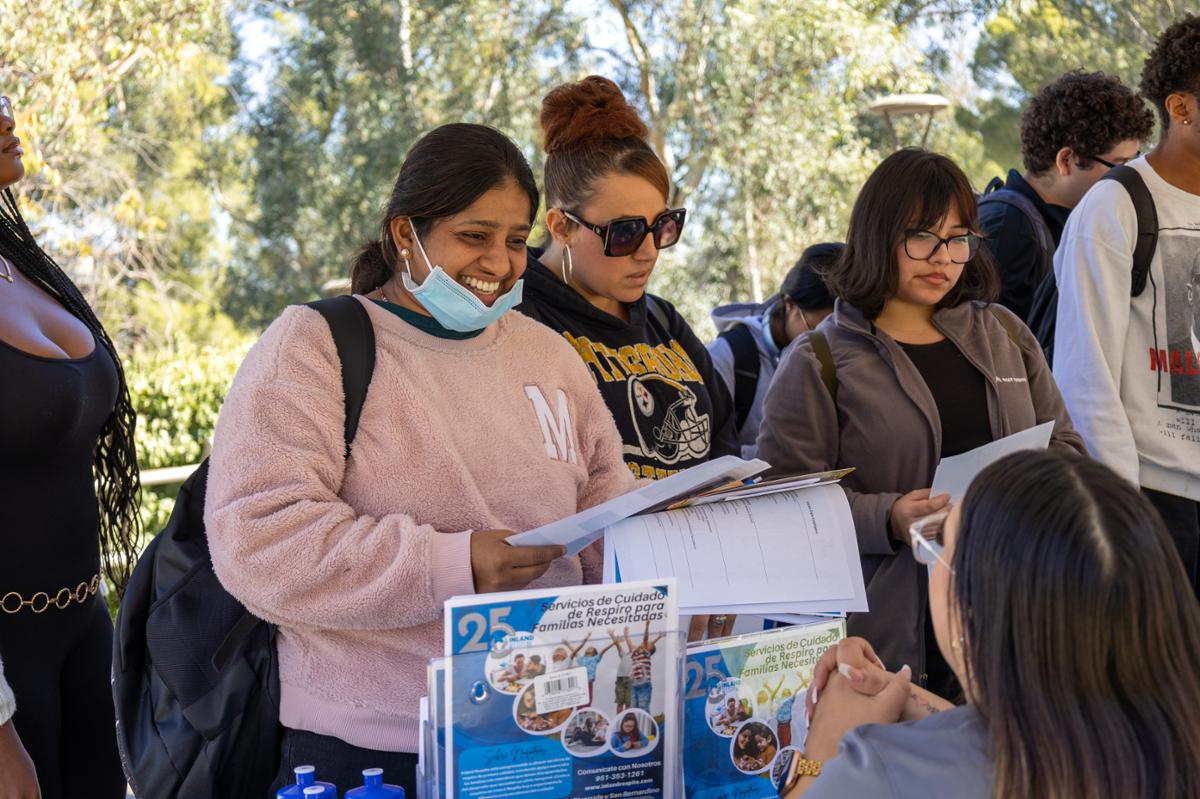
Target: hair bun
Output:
[{"x": 591, "y": 110}]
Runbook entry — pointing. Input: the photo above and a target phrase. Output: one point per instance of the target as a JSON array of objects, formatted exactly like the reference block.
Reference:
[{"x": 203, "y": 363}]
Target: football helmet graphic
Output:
[{"x": 669, "y": 428}]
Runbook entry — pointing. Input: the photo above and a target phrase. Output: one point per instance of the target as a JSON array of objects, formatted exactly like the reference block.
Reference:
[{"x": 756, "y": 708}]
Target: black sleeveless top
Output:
[{"x": 51, "y": 413}]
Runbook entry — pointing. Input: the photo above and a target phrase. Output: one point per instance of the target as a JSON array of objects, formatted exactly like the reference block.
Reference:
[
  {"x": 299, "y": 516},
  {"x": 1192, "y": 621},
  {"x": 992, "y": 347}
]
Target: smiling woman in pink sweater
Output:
[{"x": 477, "y": 423}]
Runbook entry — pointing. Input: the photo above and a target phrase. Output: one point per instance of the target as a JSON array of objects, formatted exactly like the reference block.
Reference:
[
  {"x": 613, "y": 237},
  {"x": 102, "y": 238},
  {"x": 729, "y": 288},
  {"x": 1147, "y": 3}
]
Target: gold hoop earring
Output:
[{"x": 568, "y": 267}]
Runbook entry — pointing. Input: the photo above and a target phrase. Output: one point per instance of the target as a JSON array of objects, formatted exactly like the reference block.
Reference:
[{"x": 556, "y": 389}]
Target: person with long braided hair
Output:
[{"x": 69, "y": 486}]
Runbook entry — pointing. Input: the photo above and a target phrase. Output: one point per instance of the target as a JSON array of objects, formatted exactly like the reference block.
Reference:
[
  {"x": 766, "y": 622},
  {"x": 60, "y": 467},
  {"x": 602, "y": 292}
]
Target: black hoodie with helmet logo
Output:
[{"x": 654, "y": 374}]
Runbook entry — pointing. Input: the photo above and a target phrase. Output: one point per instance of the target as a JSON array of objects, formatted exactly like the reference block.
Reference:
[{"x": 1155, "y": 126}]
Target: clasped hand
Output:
[{"x": 850, "y": 687}]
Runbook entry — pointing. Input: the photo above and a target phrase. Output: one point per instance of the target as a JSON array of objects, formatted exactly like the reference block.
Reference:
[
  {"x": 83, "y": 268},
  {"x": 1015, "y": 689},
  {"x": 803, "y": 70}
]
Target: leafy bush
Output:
[{"x": 178, "y": 393}]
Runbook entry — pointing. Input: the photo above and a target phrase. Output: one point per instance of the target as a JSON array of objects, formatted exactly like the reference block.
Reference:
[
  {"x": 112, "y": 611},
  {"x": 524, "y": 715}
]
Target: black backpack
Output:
[
  {"x": 195, "y": 677},
  {"x": 997, "y": 194},
  {"x": 746, "y": 368},
  {"x": 1043, "y": 313}
]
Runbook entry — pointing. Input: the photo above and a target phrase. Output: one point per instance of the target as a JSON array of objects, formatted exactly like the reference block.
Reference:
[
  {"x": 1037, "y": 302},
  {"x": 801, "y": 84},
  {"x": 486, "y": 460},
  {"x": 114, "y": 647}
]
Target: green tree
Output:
[
  {"x": 114, "y": 101},
  {"x": 759, "y": 108},
  {"x": 356, "y": 83},
  {"x": 1028, "y": 43},
  {"x": 122, "y": 109}
]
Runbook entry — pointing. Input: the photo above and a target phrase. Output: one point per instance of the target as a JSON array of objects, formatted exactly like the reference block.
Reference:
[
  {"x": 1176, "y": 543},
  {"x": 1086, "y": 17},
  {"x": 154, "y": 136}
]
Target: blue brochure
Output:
[
  {"x": 564, "y": 693},
  {"x": 744, "y": 719}
]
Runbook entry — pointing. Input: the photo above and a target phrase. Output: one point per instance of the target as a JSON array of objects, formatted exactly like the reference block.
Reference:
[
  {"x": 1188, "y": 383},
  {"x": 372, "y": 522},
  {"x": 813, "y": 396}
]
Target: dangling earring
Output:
[{"x": 568, "y": 267}]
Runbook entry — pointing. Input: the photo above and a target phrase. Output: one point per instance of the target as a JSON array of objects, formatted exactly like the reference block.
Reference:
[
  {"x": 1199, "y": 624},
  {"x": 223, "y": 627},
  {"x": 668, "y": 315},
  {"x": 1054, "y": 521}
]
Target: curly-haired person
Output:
[
  {"x": 1073, "y": 131},
  {"x": 1141, "y": 415}
]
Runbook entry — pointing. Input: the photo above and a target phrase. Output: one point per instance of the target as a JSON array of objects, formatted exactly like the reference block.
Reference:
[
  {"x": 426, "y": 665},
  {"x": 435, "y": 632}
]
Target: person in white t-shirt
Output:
[{"x": 1129, "y": 368}]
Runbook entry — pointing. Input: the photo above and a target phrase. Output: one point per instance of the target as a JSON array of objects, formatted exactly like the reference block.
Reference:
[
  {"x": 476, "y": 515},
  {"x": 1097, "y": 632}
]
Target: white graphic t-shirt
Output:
[{"x": 1129, "y": 368}]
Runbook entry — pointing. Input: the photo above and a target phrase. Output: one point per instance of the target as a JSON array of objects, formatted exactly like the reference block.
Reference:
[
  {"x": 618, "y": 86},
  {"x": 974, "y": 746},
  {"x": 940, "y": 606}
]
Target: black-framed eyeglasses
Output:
[
  {"x": 1100, "y": 160},
  {"x": 922, "y": 244},
  {"x": 623, "y": 236}
]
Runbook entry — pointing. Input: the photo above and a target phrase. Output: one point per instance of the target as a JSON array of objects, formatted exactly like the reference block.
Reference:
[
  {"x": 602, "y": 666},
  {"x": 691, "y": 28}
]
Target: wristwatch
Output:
[{"x": 807, "y": 768}]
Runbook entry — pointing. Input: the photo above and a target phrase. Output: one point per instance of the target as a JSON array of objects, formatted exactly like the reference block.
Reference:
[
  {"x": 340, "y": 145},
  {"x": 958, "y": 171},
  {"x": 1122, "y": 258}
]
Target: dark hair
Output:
[
  {"x": 114, "y": 461},
  {"x": 637, "y": 728},
  {"x": 446, "y": 171},
  {"x": 912, "y": 188},
  {"x": 751, "y": 746},
  {"x": 803, "y": 284},
  {"x": 1173, "y": 65},
  {"x": 589, "y": 132},
  {"x": 1090, "y": 112},
  {"x": 1081, "y": 633}
]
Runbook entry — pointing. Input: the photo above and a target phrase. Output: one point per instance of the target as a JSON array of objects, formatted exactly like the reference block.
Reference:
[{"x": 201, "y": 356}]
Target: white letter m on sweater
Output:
[{"x": 557, "y": 430}]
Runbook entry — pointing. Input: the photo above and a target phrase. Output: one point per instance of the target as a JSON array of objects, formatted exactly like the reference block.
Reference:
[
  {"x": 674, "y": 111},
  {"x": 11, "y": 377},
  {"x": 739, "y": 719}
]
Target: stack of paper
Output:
[
  {"x": 781, "y": 548},
  {"x": 781, "y": 554},
  {"x": 576, "y": 532}
]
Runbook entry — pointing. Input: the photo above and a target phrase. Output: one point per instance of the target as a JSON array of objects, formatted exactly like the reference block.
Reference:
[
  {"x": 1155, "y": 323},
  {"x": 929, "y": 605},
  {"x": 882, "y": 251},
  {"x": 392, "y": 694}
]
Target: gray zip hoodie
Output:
[
  {"x": 756, "y": 316},
  {"x": 886, "y": 426}
]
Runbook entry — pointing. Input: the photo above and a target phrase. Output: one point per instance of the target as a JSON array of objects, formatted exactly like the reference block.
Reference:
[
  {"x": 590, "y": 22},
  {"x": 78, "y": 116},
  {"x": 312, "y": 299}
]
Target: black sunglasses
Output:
[{"x": 623, "y": 236}]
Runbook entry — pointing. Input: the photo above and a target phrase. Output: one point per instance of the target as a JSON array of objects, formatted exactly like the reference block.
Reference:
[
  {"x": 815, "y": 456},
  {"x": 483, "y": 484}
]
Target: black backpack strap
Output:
[
  {"x": 995, "y": 184},
  {"x": 1015, "y": 199},
  {"x": 745, "y": 369},
  {"x": 656, "y": 312},
  {"x": 820, "y": 347},
  {"x": 1043, "y": 315},
  {"x": 354, "y": 337},
  {"x": 1147, "y": 223}
]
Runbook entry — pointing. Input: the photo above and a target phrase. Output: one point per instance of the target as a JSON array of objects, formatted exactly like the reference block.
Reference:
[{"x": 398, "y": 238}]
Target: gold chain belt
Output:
[{"x": 12, "y": 602}]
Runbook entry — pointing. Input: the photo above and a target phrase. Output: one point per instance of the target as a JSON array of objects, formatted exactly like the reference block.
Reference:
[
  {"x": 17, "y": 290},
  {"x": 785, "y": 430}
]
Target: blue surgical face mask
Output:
[{"x": 453, "y": 305}]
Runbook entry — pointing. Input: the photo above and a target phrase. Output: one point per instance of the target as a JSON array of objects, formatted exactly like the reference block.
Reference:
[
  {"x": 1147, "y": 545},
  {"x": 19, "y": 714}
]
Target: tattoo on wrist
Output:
[{"x": 923, "y": 704}]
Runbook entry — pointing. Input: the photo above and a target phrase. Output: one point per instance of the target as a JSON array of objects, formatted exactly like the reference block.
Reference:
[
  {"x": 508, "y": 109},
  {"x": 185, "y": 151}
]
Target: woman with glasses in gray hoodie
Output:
[{"x": 915, "y": 364}]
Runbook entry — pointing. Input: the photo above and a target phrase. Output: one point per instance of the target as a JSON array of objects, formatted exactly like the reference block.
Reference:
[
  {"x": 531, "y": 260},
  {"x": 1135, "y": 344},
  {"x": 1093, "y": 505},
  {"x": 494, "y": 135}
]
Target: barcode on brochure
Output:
[
  {"x": 561, "y": 690},
  {"x": 562, "y": 685}
]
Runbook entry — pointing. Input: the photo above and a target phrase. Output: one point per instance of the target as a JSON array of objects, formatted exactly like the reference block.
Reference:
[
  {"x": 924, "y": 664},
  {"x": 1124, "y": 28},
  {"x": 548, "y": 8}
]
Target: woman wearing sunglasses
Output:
[
  {"x": 1059, "y": 601},
  {"x": 913, "y": 366},
  {"x": 607, "y": 194}
]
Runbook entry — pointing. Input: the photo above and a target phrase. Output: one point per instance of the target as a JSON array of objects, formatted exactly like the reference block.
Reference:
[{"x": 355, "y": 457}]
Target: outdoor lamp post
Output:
[{"x": 901, "y": 105}]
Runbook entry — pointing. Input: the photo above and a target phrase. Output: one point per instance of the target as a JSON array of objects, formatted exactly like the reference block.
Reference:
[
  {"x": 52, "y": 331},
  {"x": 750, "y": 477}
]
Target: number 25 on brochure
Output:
[{"x": 564, "y": 693}]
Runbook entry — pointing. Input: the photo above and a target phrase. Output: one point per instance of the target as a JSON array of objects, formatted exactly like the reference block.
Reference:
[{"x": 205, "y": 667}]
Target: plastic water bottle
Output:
[
  {"x": 373, "y": 787},
  {"x": 306, "y": 777}
]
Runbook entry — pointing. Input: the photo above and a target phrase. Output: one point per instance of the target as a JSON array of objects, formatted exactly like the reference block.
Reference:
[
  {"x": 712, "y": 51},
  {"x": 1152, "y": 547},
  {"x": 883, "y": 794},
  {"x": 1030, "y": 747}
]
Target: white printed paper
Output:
[
  {"x": 954, "y": 474},
  {"x": 793, "y": 552},
  {"x": 577, "y": 531}
]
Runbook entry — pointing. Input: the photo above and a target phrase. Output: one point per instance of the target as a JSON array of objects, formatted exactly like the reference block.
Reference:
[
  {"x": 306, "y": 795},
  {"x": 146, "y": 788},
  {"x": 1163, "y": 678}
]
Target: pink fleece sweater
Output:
[{"x": 353, "y": 559}]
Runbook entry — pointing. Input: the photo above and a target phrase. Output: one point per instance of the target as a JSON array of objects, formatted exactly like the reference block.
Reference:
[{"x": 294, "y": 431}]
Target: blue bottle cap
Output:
[{"x": 305, "y": 775}]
